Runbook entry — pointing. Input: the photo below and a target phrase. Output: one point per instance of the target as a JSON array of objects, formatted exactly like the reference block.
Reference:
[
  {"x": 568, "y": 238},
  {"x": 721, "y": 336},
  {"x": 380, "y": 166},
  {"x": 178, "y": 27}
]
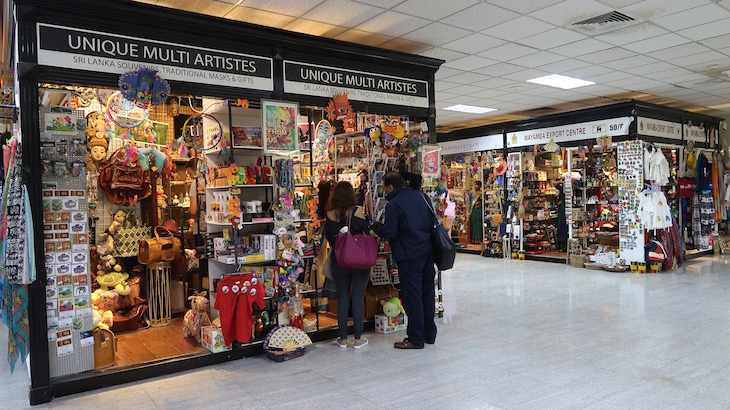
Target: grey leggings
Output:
[{"x": 351, "y": 286}]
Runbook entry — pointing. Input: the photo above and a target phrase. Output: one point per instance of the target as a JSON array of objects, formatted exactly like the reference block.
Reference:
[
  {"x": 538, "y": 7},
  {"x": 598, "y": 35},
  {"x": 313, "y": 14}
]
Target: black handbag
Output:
[{"x": 444, "y": 249}]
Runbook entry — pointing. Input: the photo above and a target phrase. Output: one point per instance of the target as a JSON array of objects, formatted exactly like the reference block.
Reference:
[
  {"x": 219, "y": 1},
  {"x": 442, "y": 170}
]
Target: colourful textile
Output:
[{"x": 15, "y": 316}]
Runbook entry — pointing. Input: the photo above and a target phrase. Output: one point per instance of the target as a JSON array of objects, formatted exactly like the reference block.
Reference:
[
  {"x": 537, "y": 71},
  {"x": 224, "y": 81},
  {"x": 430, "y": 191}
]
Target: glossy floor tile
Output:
[{"x": 515, "y": 335}]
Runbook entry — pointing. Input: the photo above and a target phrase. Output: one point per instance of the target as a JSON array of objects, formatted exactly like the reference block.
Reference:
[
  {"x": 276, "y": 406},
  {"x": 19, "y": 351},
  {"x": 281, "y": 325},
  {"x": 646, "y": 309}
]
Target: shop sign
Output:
[
  {"x": 575, "y": 132},
  {"x": 694, "y": 133},
  {"x": 81, "y": 49},
  {"x": 658, "y": 128},
  {"x": 324, "y": 81},
  {"x": 484, "y": 143}
]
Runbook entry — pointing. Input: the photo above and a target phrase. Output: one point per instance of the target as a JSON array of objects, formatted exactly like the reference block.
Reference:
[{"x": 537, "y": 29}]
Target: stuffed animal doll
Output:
[
  {"x": 196, "y": 317},
  {"x": 392, "y": 307}
]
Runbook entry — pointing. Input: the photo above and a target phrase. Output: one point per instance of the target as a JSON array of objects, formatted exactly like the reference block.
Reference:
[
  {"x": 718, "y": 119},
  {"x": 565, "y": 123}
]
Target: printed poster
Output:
[{"x": 280, "y": 130}]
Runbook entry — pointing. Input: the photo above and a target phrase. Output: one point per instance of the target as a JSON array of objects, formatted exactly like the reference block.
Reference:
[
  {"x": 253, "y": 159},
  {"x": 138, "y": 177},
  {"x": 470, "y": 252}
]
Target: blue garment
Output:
[
  {"x": 408, "y": 224},
  {"x": 418, "y": 294},
  {"x": 704, "y": 173}
]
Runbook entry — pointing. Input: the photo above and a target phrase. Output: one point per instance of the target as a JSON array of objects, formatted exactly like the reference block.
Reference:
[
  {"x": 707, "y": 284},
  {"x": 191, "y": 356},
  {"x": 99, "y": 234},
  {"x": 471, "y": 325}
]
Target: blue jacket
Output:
[{"x": 408, "y": 224}]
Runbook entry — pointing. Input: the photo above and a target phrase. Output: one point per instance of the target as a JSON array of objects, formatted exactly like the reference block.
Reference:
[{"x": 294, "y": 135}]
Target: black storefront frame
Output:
[
  {"x": 145, "y": 21},
  {"x": 632, "y": 108}
]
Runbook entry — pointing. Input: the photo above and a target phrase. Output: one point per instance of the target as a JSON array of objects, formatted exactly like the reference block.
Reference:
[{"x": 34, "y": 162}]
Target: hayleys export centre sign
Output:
[
  {"x": 323, "y": 81},
  {"x": 81, "y": 49}
]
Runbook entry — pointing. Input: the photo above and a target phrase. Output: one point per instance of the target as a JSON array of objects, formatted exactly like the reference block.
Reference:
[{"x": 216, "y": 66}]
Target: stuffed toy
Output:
[
  {"x": 389, "y": 144},
  {"x": 161, "y": 197},
  {"x": 392, "y": 308},
  {"x": 197, "y": 316}
]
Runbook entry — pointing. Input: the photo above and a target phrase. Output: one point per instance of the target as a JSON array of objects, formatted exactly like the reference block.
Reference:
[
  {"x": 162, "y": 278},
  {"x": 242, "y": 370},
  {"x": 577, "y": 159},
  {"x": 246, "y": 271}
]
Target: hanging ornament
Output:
[{"x": 144, "y": 87}]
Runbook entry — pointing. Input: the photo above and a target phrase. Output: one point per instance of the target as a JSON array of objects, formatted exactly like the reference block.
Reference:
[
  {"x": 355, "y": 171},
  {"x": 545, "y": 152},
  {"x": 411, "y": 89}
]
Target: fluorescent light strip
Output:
[
  {"x": 560, "y": 81},
  {"x": 471, "y": 109}
]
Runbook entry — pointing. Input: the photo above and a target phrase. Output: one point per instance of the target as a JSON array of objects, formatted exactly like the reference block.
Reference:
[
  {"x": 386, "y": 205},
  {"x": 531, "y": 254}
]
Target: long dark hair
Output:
[
  {"x": 323, "y": 189},
  {"x": 342, "y": 199}
]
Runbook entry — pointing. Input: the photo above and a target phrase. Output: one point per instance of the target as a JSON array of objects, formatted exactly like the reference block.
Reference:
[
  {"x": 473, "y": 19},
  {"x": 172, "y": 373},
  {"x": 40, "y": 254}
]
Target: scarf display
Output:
[{"x": 17, "y": 259}]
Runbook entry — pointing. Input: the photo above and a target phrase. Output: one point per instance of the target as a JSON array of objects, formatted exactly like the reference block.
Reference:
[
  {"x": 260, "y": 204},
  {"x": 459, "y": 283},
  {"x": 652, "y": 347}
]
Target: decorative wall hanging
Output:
[
  {"x": 279, "y": 129},
  {"x": 322, "y": 141},
  {"x": 338, "y": 108},
  {"x": 144, "y": 87}
]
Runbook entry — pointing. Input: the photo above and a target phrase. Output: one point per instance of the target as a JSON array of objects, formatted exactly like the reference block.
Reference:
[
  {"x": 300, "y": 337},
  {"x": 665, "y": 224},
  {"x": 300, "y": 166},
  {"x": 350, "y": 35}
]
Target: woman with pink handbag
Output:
[{"x": 347, "y": 222}]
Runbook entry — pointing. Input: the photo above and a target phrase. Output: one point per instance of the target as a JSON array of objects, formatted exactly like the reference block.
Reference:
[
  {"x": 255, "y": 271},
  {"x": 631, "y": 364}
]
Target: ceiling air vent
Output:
[{"x": 605, "y": 23}]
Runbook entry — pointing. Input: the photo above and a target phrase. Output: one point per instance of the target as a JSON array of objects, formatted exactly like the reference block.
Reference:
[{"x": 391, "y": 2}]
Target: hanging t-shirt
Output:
[
  {"x": 704, "y": 173},
  {"x": 234, "y": 300}
]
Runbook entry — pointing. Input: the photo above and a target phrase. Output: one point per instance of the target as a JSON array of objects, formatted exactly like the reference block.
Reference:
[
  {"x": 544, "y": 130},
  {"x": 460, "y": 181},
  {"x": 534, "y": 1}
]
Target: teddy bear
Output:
[
  {"x": 197, "y": 316},
  {"x": 161, "y": 197}
]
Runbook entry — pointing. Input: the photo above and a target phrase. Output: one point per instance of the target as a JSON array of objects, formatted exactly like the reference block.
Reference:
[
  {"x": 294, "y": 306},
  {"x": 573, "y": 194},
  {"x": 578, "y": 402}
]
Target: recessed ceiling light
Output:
[
  {"x": 471, "y": 109},
  {"x": 561, "y": 81}
]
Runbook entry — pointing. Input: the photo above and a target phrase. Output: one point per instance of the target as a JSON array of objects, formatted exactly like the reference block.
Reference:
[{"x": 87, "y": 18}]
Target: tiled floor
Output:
[{"x": 517, "y": 334}]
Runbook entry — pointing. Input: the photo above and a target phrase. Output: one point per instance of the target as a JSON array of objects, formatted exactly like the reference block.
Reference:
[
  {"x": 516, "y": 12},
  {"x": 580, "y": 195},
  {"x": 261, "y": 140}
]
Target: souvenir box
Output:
[
  {"x": 385, "y": 326},
  {"x": 212, "y": 339}
]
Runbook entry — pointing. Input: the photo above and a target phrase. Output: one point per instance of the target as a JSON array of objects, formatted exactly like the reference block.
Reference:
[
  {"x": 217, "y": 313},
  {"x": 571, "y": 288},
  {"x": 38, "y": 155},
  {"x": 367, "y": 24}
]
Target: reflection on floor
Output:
[
  {"x": 469, "y": 248},
  {"x": 525, "y": 334},
  {"x": 553, "y": 255},
  {"x": 155, "y": 343}
]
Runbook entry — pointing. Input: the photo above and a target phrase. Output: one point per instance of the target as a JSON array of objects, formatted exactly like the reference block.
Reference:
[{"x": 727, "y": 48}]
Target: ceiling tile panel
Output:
[
  {"x": 525, "y": 75},
  {"x": 610, "y": 77},
  {"x": 499, "y": 69},
  {"x": 211, "y": 7},
  {"x": 693, "y": 17},
  {"x": 386, "y": 4},
  {"x": 698, "y": 59},
  {"x": 611, "y": 54},
  {"x": 552, "y": 38},
  {"x": 587, "y": 72},
  {"x": 404, "y": 46},
  {"x": 563, "y": 66},
  {"x": 480, "y": 17},
  {"x": 465, "y": 89},
  {"x": 442, "y": 53},
  {"x": 652, "y": 9},
  {"x": 707, "y": 30},
  {"x": 617, "y": 4},
  {"x": 518, "y": 28},
  {"x": 537, "y": 59},
  {"x": 290, "y": 8},
  {"x": 678, "y": 51},
  {"x": 345, "y": 13},
  {"x": 488, "y": 93},
  {"x": 446, "y": 72},
  {"x": 256, "y": 16},
  {"x": 493, "y": 83},
  {"x": 631, "y": 34},
  {"x": 718, "y": 42},
  {"x": 669, "y": 74},
  {"x": 650, "y": 68},
  {"x": 570, "y": 11},
  {"x": 508, "y": 52},
  {"x": 468, "y": 78},
  {"x": 445, "y": 86},
  {"x": 634, "y": 61},
  {"x": 524, "y": 7},
  {"x": 392, "y": 24},
  {"x": 469, "y": 63},
  {"x": 433, "y": 10},
  {"x": 362, "y": 37},
  {"x": 314, "y": 28},
  {"x": 656, "y": 43},
  {"x": 436, "y": 34},
  {"x": 473, "y": 43},
  {"x": 581, "y": 47}
]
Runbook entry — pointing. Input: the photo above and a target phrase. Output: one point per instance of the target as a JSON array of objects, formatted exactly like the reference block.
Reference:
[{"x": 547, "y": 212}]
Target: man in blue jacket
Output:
[{"x": 408, "y": 226}]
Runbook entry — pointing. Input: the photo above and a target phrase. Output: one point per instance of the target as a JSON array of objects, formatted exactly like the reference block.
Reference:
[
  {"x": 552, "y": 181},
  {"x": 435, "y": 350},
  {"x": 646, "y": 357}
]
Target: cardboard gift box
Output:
[
  {"x": 373, "y": 296},
  {"x": 385, "y": 325},
  {"x": 212, "y": 339}
]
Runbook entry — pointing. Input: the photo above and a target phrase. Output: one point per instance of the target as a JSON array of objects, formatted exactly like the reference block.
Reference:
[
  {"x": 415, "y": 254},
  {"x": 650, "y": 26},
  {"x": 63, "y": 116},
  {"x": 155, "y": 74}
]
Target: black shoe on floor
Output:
[
  {"x": 406, "y": 344},
  {"x": 432, "y": 341}
]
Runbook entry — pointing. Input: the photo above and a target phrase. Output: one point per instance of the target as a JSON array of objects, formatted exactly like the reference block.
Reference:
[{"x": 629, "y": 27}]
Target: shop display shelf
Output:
[
  {"x": 214, "y": 188},
  {"x": 247, "y": 148}
]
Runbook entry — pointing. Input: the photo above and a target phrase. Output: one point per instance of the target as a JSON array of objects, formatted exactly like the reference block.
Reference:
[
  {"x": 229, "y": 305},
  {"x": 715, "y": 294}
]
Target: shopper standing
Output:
[
  {"x": 408, "y": 226},
  {"x": 476, "y": 215},
  {"x": 343, "y": 212}
]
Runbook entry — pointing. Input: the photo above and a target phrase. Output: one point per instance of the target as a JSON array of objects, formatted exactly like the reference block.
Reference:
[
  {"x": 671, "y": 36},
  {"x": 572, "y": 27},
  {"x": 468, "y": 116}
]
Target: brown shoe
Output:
[{"x": 406, "y": 344}]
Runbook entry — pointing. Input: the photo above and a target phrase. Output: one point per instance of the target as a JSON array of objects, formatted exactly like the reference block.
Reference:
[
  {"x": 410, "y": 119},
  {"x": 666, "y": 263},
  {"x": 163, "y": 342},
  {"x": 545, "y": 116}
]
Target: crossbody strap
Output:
[{"x": 430, "y": 206}]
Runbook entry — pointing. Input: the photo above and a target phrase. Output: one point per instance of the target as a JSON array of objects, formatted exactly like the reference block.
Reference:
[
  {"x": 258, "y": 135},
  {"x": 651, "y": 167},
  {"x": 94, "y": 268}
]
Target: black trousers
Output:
[{"x": 418, "y": 295}]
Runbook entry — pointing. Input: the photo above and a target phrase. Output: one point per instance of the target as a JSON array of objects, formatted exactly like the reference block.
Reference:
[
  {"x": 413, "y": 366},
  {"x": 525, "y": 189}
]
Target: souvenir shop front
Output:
[
  {"x": 172, "y": 162},
  {"x": 600, "y": 187},
  {"x": 471, "y": 191}
]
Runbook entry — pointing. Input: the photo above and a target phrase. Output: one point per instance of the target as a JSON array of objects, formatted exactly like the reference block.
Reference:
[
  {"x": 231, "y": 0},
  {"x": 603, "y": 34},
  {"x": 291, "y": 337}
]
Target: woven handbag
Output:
[{"x": 128, "y": 236}]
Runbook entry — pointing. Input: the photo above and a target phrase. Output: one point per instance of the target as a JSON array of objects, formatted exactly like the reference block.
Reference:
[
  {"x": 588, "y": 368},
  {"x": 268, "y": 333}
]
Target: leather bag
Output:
[
  {"x": 124, "y": 183},
  {"x": 444, "y": 249},
  {"x": 159, "y": 248},
  {"x": 358, "y": 252}
]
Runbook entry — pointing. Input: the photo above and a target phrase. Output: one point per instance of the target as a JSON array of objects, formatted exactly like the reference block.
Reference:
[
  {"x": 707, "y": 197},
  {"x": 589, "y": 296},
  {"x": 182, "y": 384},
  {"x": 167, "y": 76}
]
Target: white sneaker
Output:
[
  {"x": 360, "y": 343},
  {"x": 342, "y": 343}
]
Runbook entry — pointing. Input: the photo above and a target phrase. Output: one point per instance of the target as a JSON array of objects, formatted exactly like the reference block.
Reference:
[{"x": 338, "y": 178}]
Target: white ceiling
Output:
[{"x": 673, "y": 54}]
